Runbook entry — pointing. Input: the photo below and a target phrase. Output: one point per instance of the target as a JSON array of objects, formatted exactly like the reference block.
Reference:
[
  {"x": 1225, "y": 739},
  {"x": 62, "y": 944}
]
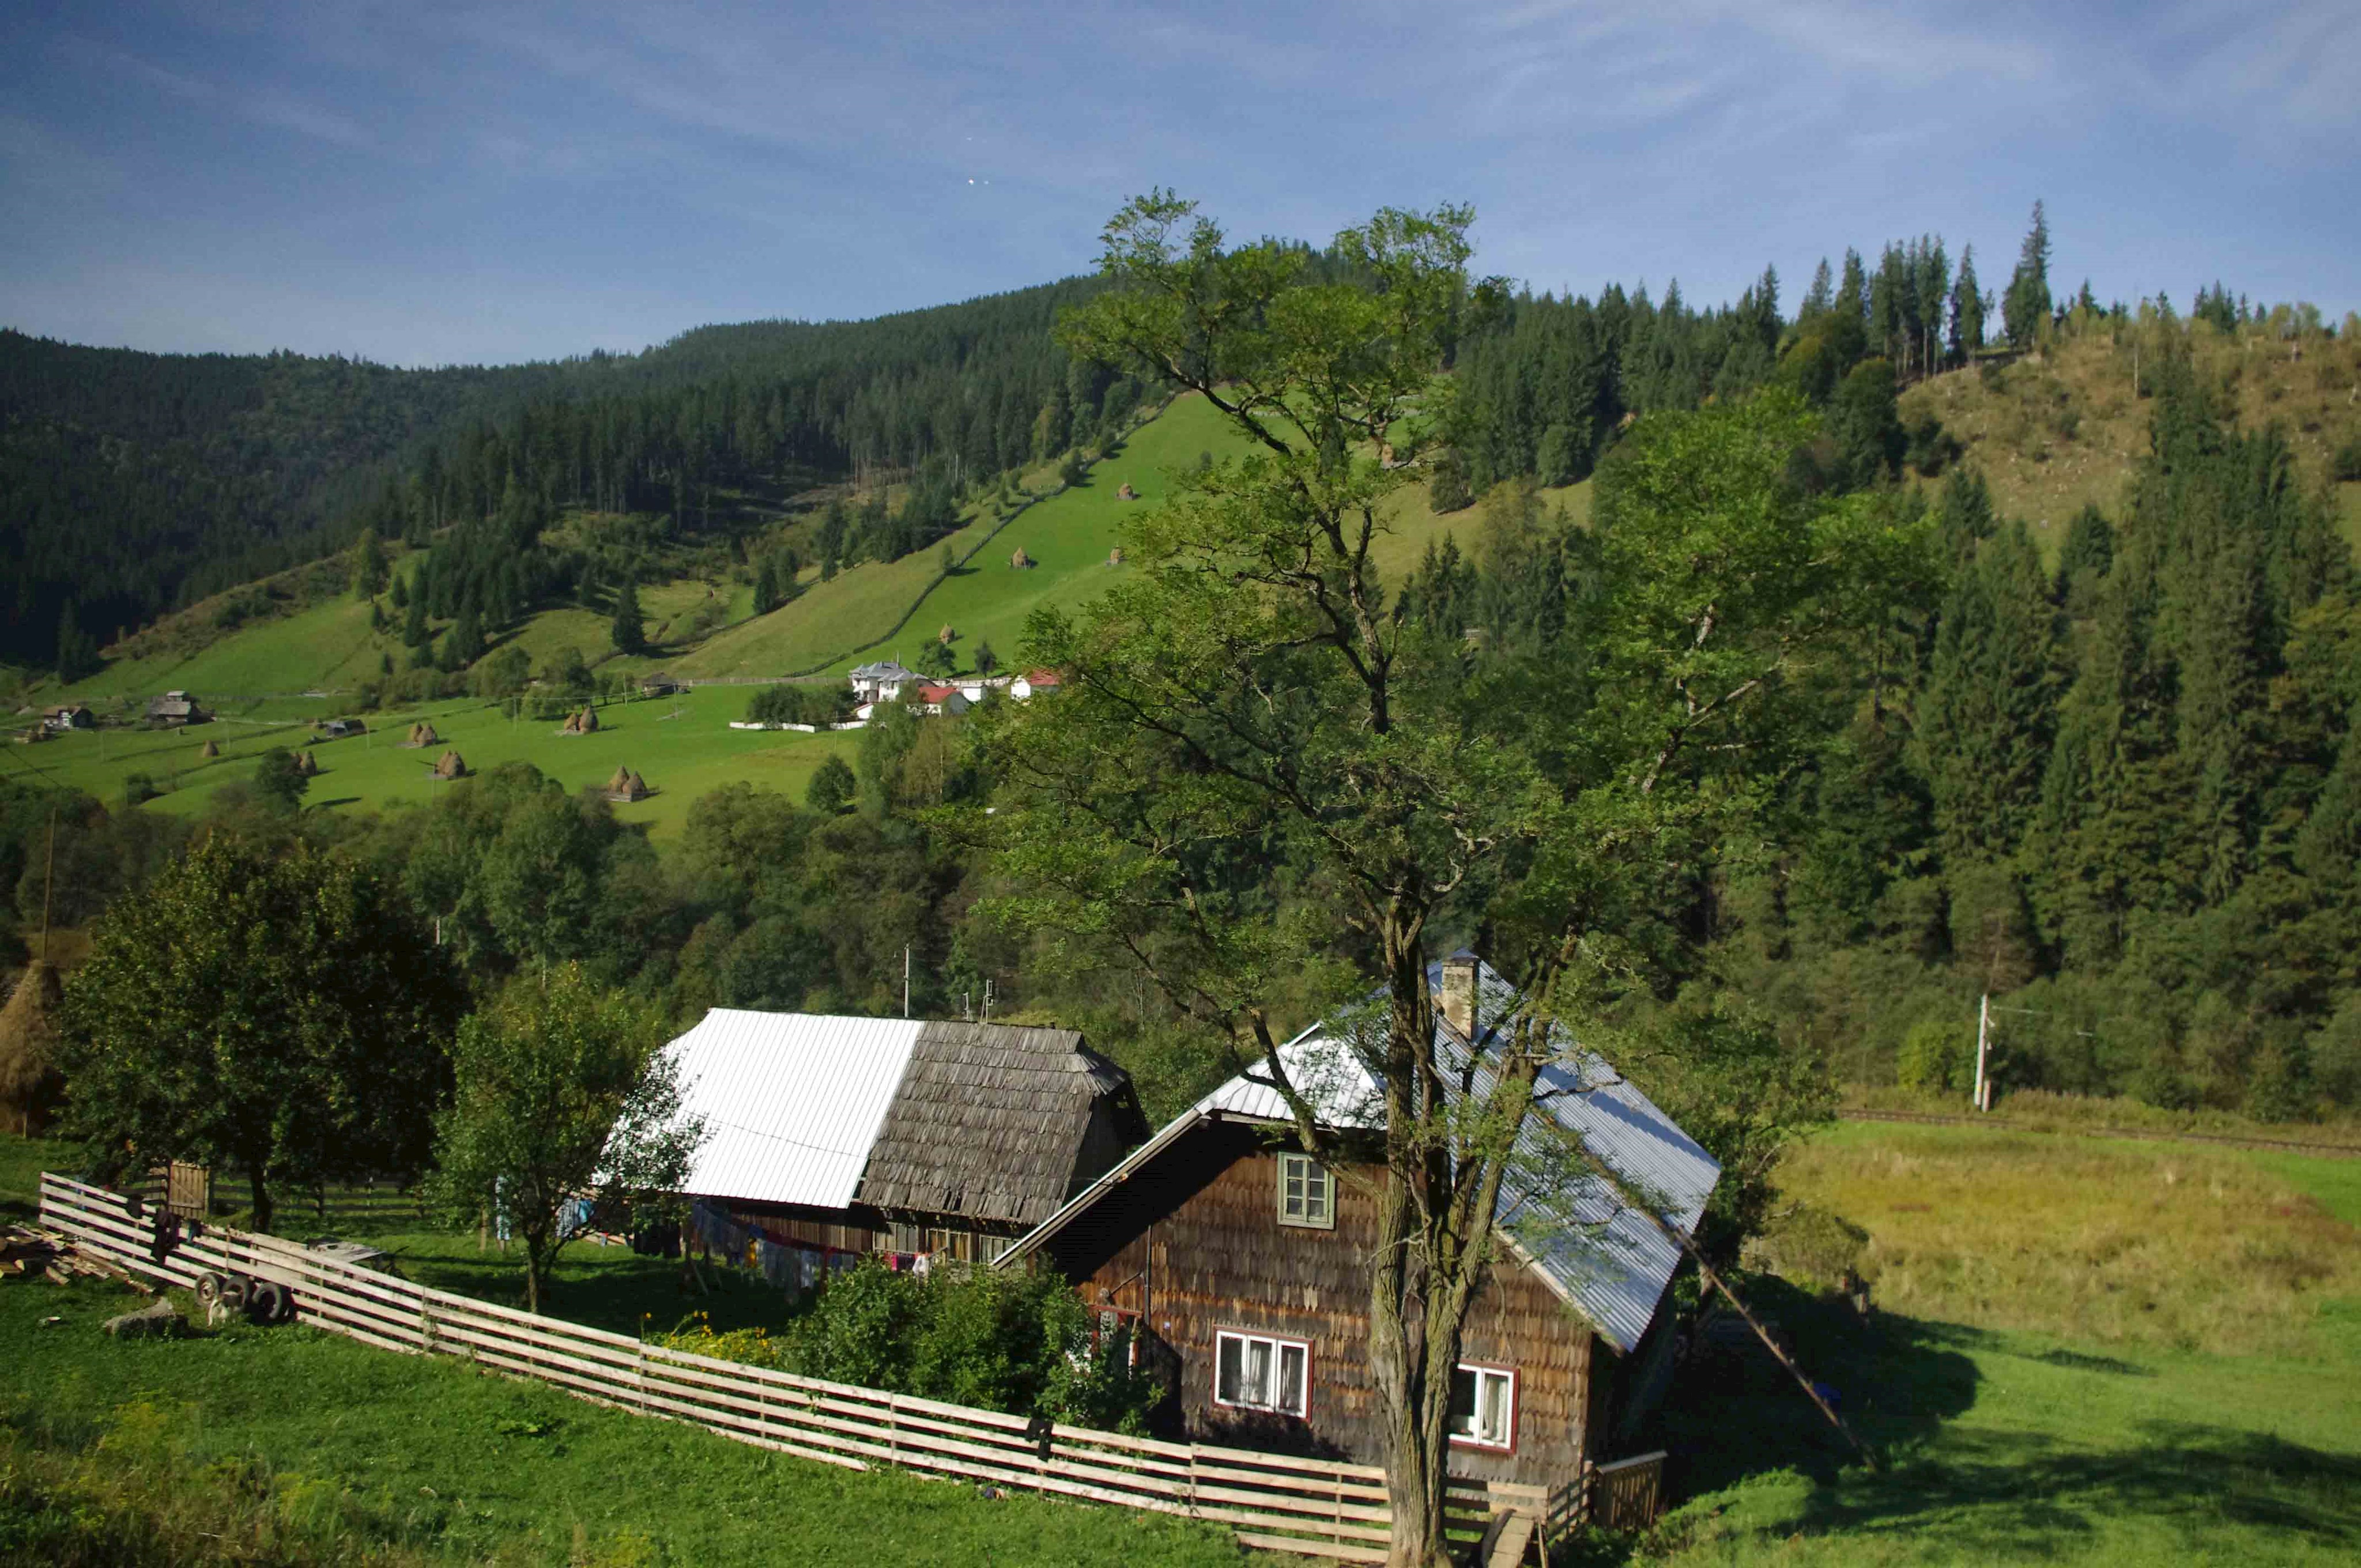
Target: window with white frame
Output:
[
  {"x": 1484, "y": 1407},
  {"x": 1306, "y": 1195},
  {"x": 1254, "y": 1372}
]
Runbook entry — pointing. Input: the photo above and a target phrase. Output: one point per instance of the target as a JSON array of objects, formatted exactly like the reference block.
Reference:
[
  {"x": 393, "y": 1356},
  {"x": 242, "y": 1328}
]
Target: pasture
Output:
[{"x": 682, "y": 745}]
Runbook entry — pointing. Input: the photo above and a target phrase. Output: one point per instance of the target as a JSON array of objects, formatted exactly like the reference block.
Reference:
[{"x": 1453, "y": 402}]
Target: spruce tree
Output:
[
  {"x": 2025, "y": 307},
  {"x": 1967, "y": 311},
  {"x": 414, "y": 628},
  {"x": 629, "y": 632},
  {"x": 1964, "y": 517},
  {"x": 766, "y": 587},
  {"x": 2089, "y": 550},
  {"x": 369, "y": 565},
  {"x": 1987, "y": 717}
]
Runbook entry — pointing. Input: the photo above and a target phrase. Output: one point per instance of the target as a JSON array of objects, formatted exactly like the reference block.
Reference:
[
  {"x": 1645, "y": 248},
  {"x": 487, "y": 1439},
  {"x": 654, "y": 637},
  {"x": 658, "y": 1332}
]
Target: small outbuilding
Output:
[
  {"x": 343, "y": 729},
  {"x": 659, "y": 684},
  {"x": 834, "y": 1137},
  {"x": 69, "y": 715}
]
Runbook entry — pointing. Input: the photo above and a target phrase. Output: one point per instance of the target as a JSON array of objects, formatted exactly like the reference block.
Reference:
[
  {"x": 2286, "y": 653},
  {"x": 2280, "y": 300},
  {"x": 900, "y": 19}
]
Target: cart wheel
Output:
[
  {"x": 268, "y": 1301},
  {"x": 209, "y": 1287}
]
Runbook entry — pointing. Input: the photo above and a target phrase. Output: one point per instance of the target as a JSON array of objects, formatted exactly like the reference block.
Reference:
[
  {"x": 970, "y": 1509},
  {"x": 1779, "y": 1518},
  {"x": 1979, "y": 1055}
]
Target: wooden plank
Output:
[{"x": 1312, "y": 1548}]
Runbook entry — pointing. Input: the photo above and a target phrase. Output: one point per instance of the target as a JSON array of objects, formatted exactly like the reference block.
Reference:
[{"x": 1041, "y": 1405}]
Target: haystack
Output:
[
  {"x": 29, "y": 1084},
  {"x": 1020, "y": 560},
  {"x": 1125, "y": 493},
  {"x": 947, "y": 636},
  {"x": 307, "y": 766},
  {"x": 1114, "y": 556},
  {"x": 422, "y": 734},
  {"x": 583, "y": 723},
  {"x": 450, "y": 765},
  {"x": 626, "y": 786},
  {"x": 209, "y": 749}
]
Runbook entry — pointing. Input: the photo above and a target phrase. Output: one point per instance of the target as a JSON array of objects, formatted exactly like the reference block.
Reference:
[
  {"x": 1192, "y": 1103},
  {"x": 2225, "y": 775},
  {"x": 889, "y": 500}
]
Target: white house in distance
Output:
[
  {"x": 1032, "y": 681},
  {"x": 883, "y": 681}
]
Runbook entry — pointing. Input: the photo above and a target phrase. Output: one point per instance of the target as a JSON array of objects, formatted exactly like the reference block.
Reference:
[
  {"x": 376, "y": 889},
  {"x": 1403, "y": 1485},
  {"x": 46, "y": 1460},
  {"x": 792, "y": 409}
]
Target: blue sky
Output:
[{"x": 428, "y": 184}]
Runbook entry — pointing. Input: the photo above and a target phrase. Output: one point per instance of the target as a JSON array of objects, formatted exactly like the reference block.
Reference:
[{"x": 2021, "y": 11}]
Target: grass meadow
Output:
[
  {"x": 2085, "y": 1350},
  {"x": 682, "y": 745}
]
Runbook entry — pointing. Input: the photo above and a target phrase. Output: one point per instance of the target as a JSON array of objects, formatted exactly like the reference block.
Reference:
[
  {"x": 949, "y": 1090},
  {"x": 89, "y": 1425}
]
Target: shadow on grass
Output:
[
  {"x": 605, "y": 1288},
  {"x": 1734, "y": 1413},
  {"x": 1735, "y": 1422}
]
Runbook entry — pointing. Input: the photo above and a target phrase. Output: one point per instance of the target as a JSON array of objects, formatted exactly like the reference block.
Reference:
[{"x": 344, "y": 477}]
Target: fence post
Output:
[{"x": 426, "y": 1340}]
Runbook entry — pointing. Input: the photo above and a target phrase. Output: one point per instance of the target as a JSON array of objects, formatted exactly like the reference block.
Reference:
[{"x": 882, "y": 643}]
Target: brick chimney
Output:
[{"x": 1456, "y": 1001}]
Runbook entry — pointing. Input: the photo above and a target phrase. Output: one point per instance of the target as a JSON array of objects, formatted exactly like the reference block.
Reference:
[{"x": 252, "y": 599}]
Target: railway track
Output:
[{"x": 2002, "y": 1124}]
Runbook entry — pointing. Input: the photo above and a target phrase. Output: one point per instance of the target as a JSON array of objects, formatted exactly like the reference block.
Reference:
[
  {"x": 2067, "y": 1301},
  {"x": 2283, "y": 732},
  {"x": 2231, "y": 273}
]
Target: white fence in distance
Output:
[{"x": 1322, "y": 1507}]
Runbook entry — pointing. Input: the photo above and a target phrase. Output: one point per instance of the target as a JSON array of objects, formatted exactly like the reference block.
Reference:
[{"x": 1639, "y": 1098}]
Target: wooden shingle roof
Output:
[{"x": 994, "y": 1121}]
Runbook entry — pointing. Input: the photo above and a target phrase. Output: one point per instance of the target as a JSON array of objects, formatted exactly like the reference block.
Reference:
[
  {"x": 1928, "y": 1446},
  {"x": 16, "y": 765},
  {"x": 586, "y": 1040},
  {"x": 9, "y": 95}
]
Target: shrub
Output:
[
  {"x": 1811, "y": 1246},
  {"x": 1010, "y": 1341},
  {"x": 788, "y": 703},
  {"x": 2347, "y": 461},
  {"x": 1939, "y": 1055}
]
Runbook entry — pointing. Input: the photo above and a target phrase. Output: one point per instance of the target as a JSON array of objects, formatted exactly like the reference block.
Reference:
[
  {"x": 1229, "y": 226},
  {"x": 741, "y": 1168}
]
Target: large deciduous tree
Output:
[
  {"x": 563, "y": 1092},
  {"x": 275, "y": 1012},
  {"x": 1247, "y": 694}
]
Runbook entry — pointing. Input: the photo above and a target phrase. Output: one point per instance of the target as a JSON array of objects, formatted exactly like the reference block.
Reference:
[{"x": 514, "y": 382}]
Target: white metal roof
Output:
[
  {"x": 1583, "y": 1237},
  {"x": 792, "y": 1101}
]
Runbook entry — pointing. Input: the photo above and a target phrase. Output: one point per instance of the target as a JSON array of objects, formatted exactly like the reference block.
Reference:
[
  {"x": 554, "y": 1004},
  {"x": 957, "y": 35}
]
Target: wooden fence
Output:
[{"x": 1276, "y": 1501}]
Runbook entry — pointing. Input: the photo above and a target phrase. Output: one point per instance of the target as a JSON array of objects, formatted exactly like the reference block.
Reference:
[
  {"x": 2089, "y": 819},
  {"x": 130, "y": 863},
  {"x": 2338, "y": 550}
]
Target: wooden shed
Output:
[
  {"x": 1244, "y": 1263},
  {"x": 839, "y": 1138}
]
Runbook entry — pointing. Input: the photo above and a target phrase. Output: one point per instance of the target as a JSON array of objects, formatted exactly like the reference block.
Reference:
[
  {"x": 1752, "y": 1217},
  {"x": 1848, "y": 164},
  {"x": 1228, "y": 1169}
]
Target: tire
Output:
[
  {"x": 236, "y": 1289},
  {"x": 209, "y": 1287},
  {"x": 267, "y": 1303}
]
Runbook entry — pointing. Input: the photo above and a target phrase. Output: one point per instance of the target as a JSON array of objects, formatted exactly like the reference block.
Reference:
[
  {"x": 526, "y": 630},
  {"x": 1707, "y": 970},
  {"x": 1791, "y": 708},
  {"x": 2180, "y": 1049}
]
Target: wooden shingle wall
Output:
[{"x": 1194, "y": 1241}]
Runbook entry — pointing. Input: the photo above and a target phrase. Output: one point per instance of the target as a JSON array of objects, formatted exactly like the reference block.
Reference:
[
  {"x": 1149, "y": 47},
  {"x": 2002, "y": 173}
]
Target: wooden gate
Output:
[{"x": 1627, "y": 1494}]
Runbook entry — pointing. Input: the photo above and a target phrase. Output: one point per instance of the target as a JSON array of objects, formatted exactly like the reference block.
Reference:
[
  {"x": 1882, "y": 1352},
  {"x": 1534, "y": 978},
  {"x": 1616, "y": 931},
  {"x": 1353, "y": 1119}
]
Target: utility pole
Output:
[
  {"x": 905, "y": 982},
  {"x": 1983, "y": 1031}
]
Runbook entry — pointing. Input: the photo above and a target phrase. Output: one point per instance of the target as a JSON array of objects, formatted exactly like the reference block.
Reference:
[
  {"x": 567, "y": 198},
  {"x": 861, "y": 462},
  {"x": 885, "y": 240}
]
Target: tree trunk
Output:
[{"x": 1403, "y": 1325}]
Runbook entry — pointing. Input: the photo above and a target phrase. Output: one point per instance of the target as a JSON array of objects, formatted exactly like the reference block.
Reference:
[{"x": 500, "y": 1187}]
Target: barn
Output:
[
  {"x": 834, "y": 1138},
  {"x": 1241, "y": 1261}
]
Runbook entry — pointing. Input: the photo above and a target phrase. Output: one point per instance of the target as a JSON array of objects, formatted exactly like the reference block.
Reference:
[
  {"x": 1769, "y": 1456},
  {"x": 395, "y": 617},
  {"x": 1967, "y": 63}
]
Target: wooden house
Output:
[
  {"x": 836, "y": 1137},
  {"x": 175, "y": 708},
  {"x": 71, "y": 716},
  {"x": 1243, "y": 1263}
]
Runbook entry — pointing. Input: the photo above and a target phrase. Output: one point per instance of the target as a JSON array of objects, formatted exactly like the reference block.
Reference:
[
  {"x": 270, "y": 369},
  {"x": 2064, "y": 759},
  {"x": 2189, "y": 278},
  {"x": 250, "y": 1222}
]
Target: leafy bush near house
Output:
[
  {"x": 1017, "y": 1342},
  {"x": 790, "y": 703}
]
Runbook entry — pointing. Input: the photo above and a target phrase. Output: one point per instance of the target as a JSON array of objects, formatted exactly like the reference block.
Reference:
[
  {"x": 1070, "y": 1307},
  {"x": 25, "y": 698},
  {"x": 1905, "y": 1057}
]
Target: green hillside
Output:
[{"x": 255, "y": 678}]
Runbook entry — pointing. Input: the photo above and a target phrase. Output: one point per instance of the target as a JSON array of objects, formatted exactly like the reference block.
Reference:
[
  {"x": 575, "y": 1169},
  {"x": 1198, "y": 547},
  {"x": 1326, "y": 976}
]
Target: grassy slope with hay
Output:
[
  {"x": 2061, "y": 429},
  {"x": 329, "y": 645},
  {"x": 683, "y": 746},
  {"x": 2086, "y": 1351}
]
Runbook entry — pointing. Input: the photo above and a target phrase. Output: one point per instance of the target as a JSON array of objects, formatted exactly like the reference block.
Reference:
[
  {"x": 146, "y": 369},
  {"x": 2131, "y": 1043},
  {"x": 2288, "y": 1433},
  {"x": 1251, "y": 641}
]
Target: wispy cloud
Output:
[{"x": 268, "y": 106}]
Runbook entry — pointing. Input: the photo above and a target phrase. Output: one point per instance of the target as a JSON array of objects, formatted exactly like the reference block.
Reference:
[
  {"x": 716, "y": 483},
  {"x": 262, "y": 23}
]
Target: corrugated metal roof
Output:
[
  {"x": 792, "y": 1101},
  {"x": 1607, "y": 1261}
]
